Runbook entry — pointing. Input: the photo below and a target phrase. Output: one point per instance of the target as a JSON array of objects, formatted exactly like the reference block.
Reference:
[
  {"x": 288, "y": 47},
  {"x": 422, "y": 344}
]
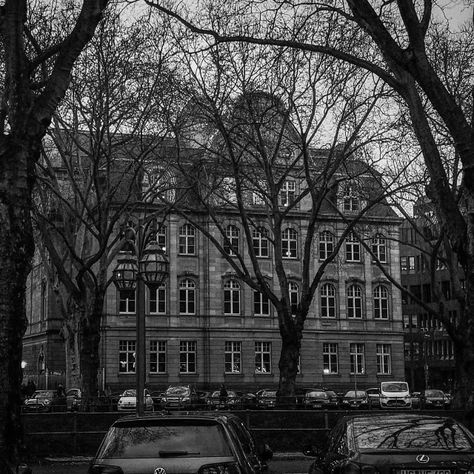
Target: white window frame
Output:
[
  {"x": 127, "y": 352},
  {"x": 330, "y": 357},
  {"x": 260, "y": 242},
  {"x": 328, "y": 301},
  {"x": 187, "y": 240},
  {"x": 289, "y": 243},
  {"x": 127, "y": 305},
  {"x": 231, "y": 298},
  {"x": 352, "y": 248},
  {"x": 288, "y": 193},
  {"x": 263, "y": 357},
  {"x": 381, "y": 303},
  {"x": 326, "y": 244},
  {"x": 157, "y": 299},
  {"x": 261, "y": 304},
  {"x": 158, "y": 357},
  {"x": 231, "y": 243},
  {"x": 233, "y": 357},
  {"x": 187, "y": 357},
  {"x": 384, "y": 359},
  {"x": 351, "y": 200},
  {"x": 357, "y": 358},
  {"x": 379, "y": 248},
  {"x": 354, "y": 301},
  {"x": 187, "y": 296}
]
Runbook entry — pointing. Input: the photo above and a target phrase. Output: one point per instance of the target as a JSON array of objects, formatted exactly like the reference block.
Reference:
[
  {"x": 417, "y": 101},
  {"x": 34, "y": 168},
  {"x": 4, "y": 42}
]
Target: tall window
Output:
[
  {"x": 187, "y": 296},
  {"x": 351, "y": 201},
  {"x": 357, "y": 358},
  {"x": 158, "y": 357},
  {"x": 289, "y": 243},
  {"x": 380, "y": 302},
  {"x": 261, "y": 305},
  {"x": 326, "y": 244},
  {"x": 352, "y": 248},
  {"x": 231, "y": 297},
  {"x": 328, "y": 301},
  {"x": 294, "y": 293},
  {"x": 126, "y": 301},
  {"x": 233, "y": 357},
  {"x": 231, "y": 243},
  {"x": 384, "y": 359},
  {"x": 126, "y": 356},
  {"x": 187, "y": 240},
  {"x": 260, "y": 242},
  {"x": 157, "y": 300},
  {"x": 263, "y": 357},
  {"x": 258, "y": 195},
  {"x": 330, "y": 359},
  {"x": 187, "y": 357},
  {"x": 229, "y": 192},
  {"x": 161, "y": 239},
  {"x": 354, "y": 301},
  {"x": 288, "y": 193},
  {"x": 379, "y": 248}
]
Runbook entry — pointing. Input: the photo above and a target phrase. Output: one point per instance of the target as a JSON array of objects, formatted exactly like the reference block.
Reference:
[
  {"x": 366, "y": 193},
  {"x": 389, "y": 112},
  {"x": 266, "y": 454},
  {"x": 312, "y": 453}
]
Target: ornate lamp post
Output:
[{"x": 149, "y": 268}]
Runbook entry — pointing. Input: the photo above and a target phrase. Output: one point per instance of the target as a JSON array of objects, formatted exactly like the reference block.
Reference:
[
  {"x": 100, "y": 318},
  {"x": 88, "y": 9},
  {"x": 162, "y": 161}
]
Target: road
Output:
[{"x": 277, "y": 466}]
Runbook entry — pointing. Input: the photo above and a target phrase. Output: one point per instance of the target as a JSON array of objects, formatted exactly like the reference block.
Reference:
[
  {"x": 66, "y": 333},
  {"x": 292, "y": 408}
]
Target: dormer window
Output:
[{"x": 351, "y": 200}]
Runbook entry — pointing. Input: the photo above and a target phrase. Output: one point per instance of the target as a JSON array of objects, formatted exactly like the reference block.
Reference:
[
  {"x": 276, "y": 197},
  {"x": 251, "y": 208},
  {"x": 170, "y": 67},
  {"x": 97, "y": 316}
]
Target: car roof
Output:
[
  {"x": 198, "y": 416},
  {"x": 391, "y": 417}
]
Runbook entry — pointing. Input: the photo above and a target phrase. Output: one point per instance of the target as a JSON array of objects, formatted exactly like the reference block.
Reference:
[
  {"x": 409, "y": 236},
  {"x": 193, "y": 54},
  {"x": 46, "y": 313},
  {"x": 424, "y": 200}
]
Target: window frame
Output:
[
  {"x": 326, "y": 246},
  {"x": 157, "y": 298},
  {"x": 263, "y": 357},
  {"x": 331, "y": 357},
  {"x": 188, "y": 357},
  {"x": 379, "y": 248},
  {"x": 233, "y": 357},
  {"x": 232, "y": 240},
  {"x": 128, "y": 348},
  {"x": 357, "y": 358},
  {"x": 232, "y": 297},
  {"x": 187, "y": 240},
  {"x": 287, "y": 193},
  {"x": 354, "y": 301},
  {"x": 127, "y": 305},
  {"x": 328, "y": 300},
  {"x": 158, "y": 357},
  {"x": 381, "y": 303},
  {"x": 260, "y": 242},
  {"x": 261, "y": 302},
  {"x": 353, "y": 250},
  {"x": 187, "y": 288},
  {"x": 384, "y": 359},
  {"x": 289, "y": 243}
]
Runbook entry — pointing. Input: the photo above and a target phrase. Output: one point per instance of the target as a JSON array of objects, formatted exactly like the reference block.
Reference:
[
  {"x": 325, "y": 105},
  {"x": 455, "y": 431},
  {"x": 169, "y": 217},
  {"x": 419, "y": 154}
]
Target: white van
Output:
[{"x": 394, "y": 394}]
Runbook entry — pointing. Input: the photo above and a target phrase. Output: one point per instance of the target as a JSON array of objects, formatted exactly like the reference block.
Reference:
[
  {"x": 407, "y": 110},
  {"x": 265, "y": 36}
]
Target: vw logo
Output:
[
  {"x": 160, "y": 470},
  {"x": 423, "y": 458}
]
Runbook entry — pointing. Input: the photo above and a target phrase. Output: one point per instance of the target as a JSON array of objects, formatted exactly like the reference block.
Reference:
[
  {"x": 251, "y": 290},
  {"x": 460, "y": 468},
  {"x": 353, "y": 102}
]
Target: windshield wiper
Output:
[{"x": 172, "y": 454}]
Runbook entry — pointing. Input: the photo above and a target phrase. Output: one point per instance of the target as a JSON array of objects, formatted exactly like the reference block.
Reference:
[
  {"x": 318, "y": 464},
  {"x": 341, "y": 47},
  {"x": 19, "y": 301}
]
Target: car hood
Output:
[{"x": 176, "y": 465}]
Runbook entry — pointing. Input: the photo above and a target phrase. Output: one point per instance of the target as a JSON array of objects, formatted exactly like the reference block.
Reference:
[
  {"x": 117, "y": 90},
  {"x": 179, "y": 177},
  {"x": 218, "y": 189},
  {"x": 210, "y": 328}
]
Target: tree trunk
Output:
[
  {"x": 288, "y": 365},
  {"x": 16, "y": 252},
  {"x": 71, "y": 344},
  {"x": 89, "y": 340}
]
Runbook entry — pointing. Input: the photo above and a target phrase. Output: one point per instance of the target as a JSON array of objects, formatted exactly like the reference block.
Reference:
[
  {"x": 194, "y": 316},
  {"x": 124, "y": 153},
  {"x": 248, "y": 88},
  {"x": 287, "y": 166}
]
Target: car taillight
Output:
[
  {"x": 220, "y": 468},
  {"x": 104, "y": 469}
]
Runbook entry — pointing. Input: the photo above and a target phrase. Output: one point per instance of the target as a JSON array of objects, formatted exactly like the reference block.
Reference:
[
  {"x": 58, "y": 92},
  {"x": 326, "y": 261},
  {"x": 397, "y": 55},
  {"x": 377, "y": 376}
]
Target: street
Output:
[{"x": 277, "y": 466}]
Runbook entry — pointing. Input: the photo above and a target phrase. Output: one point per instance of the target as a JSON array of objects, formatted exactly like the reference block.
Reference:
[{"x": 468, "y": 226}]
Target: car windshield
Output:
[
  {"x": 177, "y": 391},
  {"x": 409, "y": 433},
  {"x": 353, "y": 394},
  {"x": 316, "y": 395},
  {"x": 129, "y": 393},
  {"x": 395, "y": 387},
  {"x": 155, "y": 438},
  {"x": 434, "y": 393},
  {"x": 269, "y": 394},
  {"x": 48, "y": 394}
]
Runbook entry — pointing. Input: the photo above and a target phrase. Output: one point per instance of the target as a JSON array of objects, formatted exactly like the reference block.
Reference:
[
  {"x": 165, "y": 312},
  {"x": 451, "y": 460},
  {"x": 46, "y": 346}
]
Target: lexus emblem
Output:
[
  {"x": 423, "y": 458},
  {"x": 160, "y": 470}
]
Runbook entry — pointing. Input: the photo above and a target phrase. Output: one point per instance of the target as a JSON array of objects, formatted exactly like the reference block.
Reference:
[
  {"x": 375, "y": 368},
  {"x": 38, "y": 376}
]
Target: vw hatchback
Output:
[{"x": 202, "y": 443}]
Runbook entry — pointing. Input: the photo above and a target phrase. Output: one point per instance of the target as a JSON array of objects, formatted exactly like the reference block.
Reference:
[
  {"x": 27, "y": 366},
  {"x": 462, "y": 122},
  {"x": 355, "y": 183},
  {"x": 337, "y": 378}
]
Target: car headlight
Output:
[
  {"x": 185, "y": 399},
  {"x": 220, "y": 468}
]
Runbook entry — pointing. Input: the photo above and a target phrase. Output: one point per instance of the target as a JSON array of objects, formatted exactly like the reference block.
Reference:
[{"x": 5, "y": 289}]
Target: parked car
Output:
[
  {"x": 316, "y": 399},
  {"x": 415, "y": 399},
  {"x": 128, "y": 401},
  {"x": 73, "y": 399},
  {"x": 373, "y": 397},
  {"x": 432, "y": 398},
  {"x": 247, "y": 400},
  {"x": 216, "y": 402},
  {"x": 44, "y": 401},
  {"x": 333, "y": 399},
  {"x": 395, "y": 443},
  {"x": 180, "y": 397},
  {"x": 395, "y": 394},
  {"x": 355, "y": 399},
  {"x": 204, "y": 442},
  {"x": 266, "y": 398}
]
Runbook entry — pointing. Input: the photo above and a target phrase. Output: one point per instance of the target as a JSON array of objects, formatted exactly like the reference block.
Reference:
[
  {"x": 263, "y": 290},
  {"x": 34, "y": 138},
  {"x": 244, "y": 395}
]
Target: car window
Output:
[
  {"x": 434, "y": 393},
  {"x": 413, "y": 433},
  {"x": 148, "y": 439},
  {"x": 177, "y": 391},
  {"x": 394, "y": 386}
]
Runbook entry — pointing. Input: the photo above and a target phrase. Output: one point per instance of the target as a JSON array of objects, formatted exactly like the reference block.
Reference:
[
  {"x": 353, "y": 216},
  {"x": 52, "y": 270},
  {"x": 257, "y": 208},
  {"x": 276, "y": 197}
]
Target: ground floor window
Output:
[
  {"x": 233, "y": 357},
  {"x": 187, "y": 357},
  {"x": 158, "y": 357},
  {"x": 384, "y": 359},
  {"x": 330, "y": 360},
  {"x": 357, "y": 355},
  {"x": 263, "y": 357},
  {"x": 127, "y": 356}
]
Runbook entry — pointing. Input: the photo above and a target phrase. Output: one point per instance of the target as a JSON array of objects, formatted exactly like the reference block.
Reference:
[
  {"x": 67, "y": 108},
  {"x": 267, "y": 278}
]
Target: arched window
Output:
[
  {"x": 231, "y": 297},
  {"x": 187, "y": 240},
  {"x": 294, "y": 292},
  {"x": 379, "y": 248},
  {"x": 354, "y": 301},
  {"x": 231, "y": 242},
  {"x": 289, "y": 243},
  {"x": 187, "y": 296},
  {"x": 380, "y": 302},
  {"x": 260, "y": 242},
  {"x": 326, "y": 244},
  {"x": 328, "y": 301}
]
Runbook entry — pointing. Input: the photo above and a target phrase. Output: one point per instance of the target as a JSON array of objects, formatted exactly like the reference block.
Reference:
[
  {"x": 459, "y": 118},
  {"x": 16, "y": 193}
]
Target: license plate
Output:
[{"x": 423, "y": 471}]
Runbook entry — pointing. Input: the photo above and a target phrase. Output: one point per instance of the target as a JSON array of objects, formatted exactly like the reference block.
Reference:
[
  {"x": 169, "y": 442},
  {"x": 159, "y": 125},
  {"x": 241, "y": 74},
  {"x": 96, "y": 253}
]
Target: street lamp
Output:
[{"x": 151, "y": 270}]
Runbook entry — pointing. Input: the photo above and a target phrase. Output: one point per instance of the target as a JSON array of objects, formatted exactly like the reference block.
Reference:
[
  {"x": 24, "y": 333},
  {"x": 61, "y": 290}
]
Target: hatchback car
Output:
[
  {"x": 44, "y": 401},
  {"x": 128, "y": 401},
  {"x": 395, "y": 444},
  {"x": 180, "y": 397},
  {"x": 266, "y": 399},
  {"x": 200, "y": 442},
  {"x": 355, "y": 399},
  {"x": 433, "y": 399}
]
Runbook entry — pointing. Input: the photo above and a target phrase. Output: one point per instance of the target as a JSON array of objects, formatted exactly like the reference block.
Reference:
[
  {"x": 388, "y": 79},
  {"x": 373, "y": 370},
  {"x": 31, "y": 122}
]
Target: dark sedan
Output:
[
  {"x": 396, "y": 444},
  {"x": 432, "y": 398}
]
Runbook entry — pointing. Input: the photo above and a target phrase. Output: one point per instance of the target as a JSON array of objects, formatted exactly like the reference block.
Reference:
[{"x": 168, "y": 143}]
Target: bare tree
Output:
[
  {"x": 111, "y": 123},
  {"x": 401, "y": 43},
  {"x": 280, "y": 136},
  {"x": 35, "y": 78}
]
